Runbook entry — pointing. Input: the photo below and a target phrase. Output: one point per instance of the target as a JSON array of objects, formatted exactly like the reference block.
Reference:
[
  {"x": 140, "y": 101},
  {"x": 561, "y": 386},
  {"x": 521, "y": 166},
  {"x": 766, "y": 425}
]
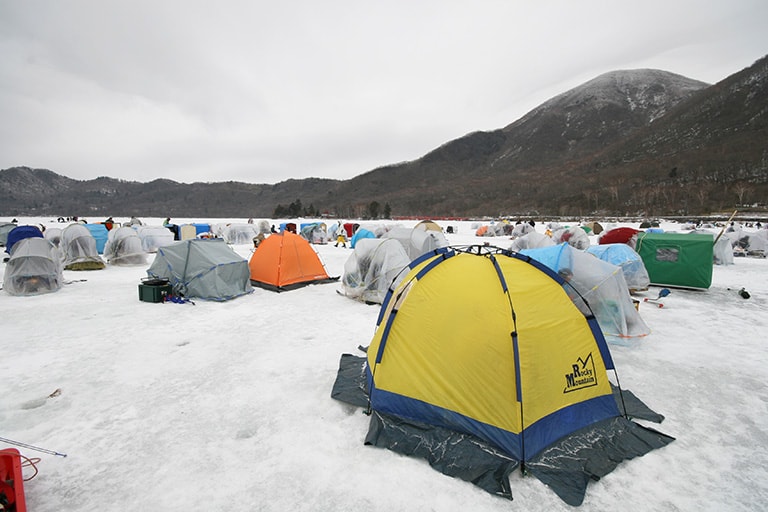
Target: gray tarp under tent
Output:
[{"x": 566, "y": 466}]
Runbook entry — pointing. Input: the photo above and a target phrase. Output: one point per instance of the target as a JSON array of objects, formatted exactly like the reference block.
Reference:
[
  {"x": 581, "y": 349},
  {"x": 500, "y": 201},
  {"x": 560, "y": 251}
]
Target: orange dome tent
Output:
[{"x": 284, "y": 261}]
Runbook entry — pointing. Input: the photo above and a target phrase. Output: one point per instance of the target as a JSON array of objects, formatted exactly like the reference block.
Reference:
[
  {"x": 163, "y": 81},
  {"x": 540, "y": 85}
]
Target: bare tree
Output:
[{"x": 740, "y": 189}]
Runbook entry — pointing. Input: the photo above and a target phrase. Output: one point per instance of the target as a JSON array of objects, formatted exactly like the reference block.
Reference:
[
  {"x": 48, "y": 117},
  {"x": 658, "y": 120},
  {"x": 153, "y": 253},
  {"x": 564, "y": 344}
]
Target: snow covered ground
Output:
[{"x": 227, "y": 407}]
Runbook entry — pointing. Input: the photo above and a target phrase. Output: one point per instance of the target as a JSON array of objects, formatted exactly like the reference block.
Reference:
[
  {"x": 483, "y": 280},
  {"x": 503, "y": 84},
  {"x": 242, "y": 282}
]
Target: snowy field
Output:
[{"x": 227, "y": 407}]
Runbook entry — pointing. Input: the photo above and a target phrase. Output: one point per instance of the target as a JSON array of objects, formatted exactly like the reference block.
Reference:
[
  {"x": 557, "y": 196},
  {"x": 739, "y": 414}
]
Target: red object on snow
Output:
[
  {"x": 618, "y": 236},
  {"x": 11, "y": 480}
]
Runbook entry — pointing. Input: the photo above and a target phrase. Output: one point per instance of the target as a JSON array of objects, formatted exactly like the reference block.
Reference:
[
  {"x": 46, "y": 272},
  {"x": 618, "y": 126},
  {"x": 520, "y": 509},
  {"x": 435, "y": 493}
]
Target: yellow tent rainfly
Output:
[{"x": 487, "y": 348}]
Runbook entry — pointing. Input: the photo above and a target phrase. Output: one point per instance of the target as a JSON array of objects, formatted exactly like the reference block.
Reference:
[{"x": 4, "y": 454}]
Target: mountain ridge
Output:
[{"x": 627, "y": 142}]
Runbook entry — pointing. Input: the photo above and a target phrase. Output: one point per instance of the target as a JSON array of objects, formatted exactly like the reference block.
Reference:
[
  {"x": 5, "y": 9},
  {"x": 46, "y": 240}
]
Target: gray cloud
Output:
[{"x": 265, "y": 91}]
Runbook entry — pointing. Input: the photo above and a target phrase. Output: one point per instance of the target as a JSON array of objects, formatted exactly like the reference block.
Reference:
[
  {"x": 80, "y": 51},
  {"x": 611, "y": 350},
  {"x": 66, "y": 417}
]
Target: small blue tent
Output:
[{"x": 100, "y": 234}]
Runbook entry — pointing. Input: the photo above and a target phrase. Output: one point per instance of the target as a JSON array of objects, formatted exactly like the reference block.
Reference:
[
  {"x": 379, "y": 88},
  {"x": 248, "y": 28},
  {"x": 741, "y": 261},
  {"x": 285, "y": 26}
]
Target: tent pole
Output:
[
  {"x": 32, "y": 447},
  {"x": 726, "y": 225}
]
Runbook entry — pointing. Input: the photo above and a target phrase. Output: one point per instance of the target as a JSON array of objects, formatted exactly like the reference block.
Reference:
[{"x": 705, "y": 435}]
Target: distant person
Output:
[
  {"x": 272, "y": 229},
  {"x": 167, "y": 222},
  {"x": 340, "y": 237}
]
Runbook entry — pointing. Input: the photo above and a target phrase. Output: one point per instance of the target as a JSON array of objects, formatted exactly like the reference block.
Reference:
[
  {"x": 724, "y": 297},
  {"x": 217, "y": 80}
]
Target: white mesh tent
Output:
[
  {"x": 33, "y": 268},
  {"x": 372, "y": 267},
  {"x": 240, "y": 234},
  {"x": 746, "y": 243},
  {"x": 79, "y": 249},
  {"x": 417, "y": 241},
  {"x": 531, "y": 240},
  {"x": 124, "y": 247},
  {"x": 154, "y": 237},
  {"x": 54, "y": 235},
  {"x": 573, "y": 235}
]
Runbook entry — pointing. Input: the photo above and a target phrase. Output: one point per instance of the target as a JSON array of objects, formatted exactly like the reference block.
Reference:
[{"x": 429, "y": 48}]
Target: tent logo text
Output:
[{"x": 582, "y": 375}]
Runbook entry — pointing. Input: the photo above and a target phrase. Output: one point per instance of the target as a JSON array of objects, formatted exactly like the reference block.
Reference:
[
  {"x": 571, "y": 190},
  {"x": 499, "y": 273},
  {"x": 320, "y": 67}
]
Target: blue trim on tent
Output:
[
  {"x": 383, "y": 307},
  {"x": 429, "y": 266},
  {"x": 535, "y": 438},
  {"x": 422, "y": 412},
  {"x": 558, "y": 424},
  {"x": 499, "y": 274},
  {"x": 518, "y": 380},
  {"x": 384, "y": 336},
  {"x": 431, "y": 254}
]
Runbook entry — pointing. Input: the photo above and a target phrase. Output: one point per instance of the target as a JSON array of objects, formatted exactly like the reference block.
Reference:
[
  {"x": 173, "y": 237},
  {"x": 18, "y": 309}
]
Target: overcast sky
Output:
[{"x": 261, "y": 92}]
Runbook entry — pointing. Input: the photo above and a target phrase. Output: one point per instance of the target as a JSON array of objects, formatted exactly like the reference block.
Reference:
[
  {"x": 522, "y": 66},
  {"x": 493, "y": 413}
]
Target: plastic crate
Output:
[
  {"x": 154, "y": 292},
  {"x": 12, "y": 480}
]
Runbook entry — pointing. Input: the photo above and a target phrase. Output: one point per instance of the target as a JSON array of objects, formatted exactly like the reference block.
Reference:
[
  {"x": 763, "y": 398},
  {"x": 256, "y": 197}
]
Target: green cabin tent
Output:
[
  {"x": 482, "y": 363},
  {"x": 682, "y": 260}
]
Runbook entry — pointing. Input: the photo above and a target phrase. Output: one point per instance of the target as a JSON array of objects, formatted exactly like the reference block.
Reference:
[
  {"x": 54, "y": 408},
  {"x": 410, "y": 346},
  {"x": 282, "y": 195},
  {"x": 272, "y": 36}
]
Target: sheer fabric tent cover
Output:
[
  {"x": 205, "y": 269},
  {"x": 481, "y": 362},
  {"x": 124, "y": 247},
  {"x": 531, "y": 240},
  {"x": 284, "y": 261},
  {"x": 34, "y": 268},
  {"x": 522, "y": 229},
  {"x": 53, "y": 235},
  {"x": 748, "y": 244},
  {"x": 239, "y": 234},
  {"x": 79, "y": 249},
  {"x": 315, "y": 232},
  {"x": 154, "y": 237},
  {"x": 372, "y": 268},
  {"x": 416, "y": 241},
  {"x": 630, "y": 262},
  {"x": 600, "y": 284},
  {"x": 573, "y": 236}
]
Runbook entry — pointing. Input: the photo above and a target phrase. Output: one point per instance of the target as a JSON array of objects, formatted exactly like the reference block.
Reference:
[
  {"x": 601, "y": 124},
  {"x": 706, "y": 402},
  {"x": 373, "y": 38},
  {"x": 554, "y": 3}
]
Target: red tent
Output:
[{"x": 618, "y": 236}]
